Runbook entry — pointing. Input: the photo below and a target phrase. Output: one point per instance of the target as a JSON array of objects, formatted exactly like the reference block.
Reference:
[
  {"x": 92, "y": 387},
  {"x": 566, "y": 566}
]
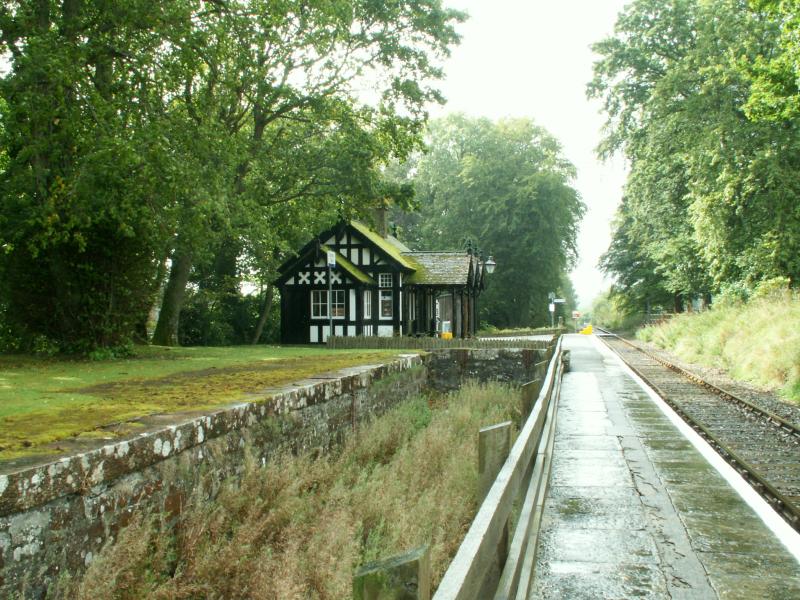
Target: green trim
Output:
[
  {"x": 351, "y": 269},
  {"x": 383, "y": 244}
]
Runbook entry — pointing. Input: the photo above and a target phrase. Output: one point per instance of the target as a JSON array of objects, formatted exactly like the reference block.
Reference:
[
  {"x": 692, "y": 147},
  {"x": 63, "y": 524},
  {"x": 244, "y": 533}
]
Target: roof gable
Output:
[
  {"x": 311, "y": 252},
  {"x": 350, "y": 268},
  {"x": 382, "y": 244}
]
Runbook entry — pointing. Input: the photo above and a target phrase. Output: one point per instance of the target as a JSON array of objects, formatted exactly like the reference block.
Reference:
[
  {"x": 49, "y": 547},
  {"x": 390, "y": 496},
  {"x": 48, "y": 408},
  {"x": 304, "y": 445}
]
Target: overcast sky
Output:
[{"x": 531, "y": 58}]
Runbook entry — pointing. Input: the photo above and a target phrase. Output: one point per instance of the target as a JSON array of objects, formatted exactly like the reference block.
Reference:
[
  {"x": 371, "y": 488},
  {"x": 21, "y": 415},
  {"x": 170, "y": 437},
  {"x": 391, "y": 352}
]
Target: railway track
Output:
[{"x": 763, "y": 447}]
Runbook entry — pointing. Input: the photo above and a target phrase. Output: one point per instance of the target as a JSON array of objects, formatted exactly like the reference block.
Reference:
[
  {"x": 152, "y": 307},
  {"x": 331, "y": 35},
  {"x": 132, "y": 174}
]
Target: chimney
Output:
[{"x": 379, "y": 220}]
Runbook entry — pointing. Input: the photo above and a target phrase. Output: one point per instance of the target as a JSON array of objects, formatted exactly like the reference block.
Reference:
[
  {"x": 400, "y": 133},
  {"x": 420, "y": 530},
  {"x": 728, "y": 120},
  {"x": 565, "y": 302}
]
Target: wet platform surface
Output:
[{"x": 636, "y": 511}]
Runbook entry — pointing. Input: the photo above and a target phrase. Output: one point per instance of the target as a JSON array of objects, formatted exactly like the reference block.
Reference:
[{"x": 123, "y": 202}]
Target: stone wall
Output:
[
  {"x": 448, "y": 368},
  {"x": 56, "y": 516}
]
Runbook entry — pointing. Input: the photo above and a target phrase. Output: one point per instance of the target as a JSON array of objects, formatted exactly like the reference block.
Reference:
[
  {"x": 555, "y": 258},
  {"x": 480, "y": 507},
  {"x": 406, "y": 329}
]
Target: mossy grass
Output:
[
  {"x": 298, "y": 527},
  {"x": 45, "y": 400},
  {"x": 757, "y": 341}
]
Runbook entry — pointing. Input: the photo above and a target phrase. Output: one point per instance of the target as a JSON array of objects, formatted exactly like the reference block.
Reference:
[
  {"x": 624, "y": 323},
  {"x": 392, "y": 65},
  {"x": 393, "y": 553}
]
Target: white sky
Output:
[{"x": 531, "y": 58}]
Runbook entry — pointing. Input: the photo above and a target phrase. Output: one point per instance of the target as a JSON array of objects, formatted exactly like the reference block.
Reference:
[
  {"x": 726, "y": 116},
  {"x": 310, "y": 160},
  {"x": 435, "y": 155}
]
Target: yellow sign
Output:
[
  {"x": 447, "y": 335},
  {"x": 587, "y": 330}
]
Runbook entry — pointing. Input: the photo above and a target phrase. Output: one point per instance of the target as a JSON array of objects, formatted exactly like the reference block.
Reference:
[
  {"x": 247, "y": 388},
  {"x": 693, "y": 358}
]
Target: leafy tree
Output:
[
  {"x": 152, "y": 133},
  {"x": 282, "y": 95},
  {"x": 711, "y": 195},
  {"x": 775, "y": 95},
  {"x": 505, "y": 186},
  {"x": 91, "y": 176}
]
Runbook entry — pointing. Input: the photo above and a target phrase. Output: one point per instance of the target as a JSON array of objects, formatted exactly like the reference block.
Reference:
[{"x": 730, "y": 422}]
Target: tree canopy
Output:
[
  {"x": 149, "y": 133},
  {"x": 711, "y": 198},
  {"x": 505, "y": 186}
]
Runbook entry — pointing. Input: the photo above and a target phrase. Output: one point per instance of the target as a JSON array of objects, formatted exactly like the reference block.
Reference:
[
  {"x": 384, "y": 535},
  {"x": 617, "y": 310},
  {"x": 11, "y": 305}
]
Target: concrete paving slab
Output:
[
  {"x": 635, "y": 511},
  {"x": 600, "y": 580}
]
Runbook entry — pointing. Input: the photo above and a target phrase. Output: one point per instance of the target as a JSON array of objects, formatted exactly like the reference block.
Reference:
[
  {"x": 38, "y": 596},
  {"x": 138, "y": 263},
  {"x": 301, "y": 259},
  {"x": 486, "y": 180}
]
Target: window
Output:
[
  {"x": 367, "y": 304},
  {"x": 319, "y": 304},
  {"x": 385, "y": 280},
  {"x": 386, "y": 298}
]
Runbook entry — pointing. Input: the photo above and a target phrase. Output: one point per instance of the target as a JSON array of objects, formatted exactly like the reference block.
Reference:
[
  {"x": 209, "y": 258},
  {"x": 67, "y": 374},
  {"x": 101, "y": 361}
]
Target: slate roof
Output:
[{"x": 439, "y": 268}]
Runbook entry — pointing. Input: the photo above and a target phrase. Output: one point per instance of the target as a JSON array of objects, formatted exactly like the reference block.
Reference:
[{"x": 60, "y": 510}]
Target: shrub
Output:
[{"x": 757, "y": 341}]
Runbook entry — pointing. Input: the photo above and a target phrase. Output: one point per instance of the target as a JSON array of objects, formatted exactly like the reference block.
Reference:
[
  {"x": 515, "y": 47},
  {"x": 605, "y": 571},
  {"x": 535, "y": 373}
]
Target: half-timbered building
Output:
[{"x": 378, "y": 287}]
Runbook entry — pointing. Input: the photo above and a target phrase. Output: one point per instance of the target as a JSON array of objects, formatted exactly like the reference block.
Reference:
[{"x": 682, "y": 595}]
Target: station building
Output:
[{"x": 379, "y": 287}]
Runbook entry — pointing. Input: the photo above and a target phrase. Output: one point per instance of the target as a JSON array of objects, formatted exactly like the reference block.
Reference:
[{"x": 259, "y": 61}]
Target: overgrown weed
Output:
[
  {"x": 757, "y": 341},
  {"x": 298, "y": 527}
]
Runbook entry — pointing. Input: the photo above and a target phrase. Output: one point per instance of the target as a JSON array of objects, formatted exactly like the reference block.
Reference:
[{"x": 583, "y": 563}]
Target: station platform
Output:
[{"x": 638, "y": 508}]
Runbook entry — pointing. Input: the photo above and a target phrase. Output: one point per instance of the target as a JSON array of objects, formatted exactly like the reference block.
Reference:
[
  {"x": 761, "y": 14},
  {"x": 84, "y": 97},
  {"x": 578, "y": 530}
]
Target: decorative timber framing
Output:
[{"x": 380, "y": 288}]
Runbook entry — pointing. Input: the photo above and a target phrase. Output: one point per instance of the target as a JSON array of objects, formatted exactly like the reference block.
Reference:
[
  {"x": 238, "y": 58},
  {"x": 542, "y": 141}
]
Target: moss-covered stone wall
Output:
[{"x": 55, "y": 516}]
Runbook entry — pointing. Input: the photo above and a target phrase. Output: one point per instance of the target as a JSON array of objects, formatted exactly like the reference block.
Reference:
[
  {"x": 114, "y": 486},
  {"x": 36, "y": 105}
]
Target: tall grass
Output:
[
  {"x": 758, "y": 342},
  {"x": 298, "y": 527}
]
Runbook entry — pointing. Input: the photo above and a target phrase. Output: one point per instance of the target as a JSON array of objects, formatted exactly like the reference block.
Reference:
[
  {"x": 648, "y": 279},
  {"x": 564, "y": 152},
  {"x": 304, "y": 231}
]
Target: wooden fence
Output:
[
  {"x": 523, "y": 332},
  {"x": 487, "y": 565},
  {"x": 525, "y": 476},
  {"x": 429, "y": 343}
]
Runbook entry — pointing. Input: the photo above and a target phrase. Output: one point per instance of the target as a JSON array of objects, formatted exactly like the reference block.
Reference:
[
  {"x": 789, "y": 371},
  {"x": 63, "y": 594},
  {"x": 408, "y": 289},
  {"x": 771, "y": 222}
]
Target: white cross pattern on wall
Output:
[
  {"x": 304, "y": 278},
  {"x": 319, "y": 277},
  {"x": 336, "y": 278}
]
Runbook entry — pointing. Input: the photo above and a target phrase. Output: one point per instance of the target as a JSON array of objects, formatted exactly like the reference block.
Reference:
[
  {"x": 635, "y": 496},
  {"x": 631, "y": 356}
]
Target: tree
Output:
[
  {"x": 283, "y": 95},
  {"x": 87, "y": 192},
  {"x": 155, "y": 132},
  {"x": 711, "y": 195},
  {"x": 775, "y": 95},
  {"x": 506, "y": 187}
]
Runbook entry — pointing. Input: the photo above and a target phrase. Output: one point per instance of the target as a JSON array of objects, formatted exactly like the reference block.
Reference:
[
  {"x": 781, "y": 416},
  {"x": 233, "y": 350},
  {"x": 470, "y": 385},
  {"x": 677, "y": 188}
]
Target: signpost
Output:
[
  {"x": 552, "y": 306},
  {"x": 331, "y": 265}
]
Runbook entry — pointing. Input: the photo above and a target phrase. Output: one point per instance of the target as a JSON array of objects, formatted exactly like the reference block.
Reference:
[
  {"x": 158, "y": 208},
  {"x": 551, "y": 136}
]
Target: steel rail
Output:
[
  {"x": 771, "y": 417},
  {"x": 779, "y": 502}
]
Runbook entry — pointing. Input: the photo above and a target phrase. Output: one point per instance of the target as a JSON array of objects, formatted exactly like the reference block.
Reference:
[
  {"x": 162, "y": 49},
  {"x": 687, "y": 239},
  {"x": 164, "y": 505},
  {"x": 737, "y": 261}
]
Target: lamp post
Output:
[{"x": 489, "y": 264}]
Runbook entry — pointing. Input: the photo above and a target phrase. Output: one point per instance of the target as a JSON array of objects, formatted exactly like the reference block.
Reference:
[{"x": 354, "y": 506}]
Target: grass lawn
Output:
[{"x": 47, "y": 400}]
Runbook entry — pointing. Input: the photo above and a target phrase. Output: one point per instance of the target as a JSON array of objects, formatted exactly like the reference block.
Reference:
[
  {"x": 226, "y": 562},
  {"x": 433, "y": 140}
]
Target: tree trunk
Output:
[
  {"x": 140, "y": 334},
  {"x": 166, "y": 333},
  {"x": 678, "y": 300},
  {"x": 264, "y": 314}
]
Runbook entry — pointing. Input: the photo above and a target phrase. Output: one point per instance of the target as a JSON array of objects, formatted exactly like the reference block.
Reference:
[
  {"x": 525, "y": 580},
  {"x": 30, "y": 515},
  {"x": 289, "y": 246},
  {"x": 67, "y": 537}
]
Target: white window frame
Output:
[
  {"x": 389, "y": 294},
  {"x": 385, "y": 280},
  {"x": 367, "y": 304},
  {"x": 319, "y": 304}
]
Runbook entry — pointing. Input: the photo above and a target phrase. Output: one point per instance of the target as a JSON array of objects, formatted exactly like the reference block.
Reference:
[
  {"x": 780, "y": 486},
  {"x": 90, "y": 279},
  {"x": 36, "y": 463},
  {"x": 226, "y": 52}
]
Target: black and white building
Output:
[{"x": 379, "y": 287}]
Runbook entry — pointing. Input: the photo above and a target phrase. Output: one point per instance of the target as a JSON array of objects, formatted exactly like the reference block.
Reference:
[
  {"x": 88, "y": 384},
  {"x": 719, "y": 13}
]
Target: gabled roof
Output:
[
  {"x": 383, "y": 244},
  {"x": 350, "y": 268},
  {"x": 440, "y": 268},
  {"x": 310, "y": 252},
  {"x": 423, "y": 268}
]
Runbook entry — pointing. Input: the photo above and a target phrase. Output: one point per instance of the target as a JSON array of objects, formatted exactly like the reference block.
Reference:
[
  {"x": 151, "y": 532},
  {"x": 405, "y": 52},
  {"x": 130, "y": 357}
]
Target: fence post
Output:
[
  {"x": 494, "y": 444},
  {"x": 530, "y": 391},
  {"x": 403, "y": 577}
]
